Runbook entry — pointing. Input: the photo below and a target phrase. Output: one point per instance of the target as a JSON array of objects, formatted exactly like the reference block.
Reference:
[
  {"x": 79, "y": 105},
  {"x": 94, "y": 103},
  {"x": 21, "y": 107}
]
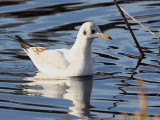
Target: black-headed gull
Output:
[{"x": 76, "y": 61}]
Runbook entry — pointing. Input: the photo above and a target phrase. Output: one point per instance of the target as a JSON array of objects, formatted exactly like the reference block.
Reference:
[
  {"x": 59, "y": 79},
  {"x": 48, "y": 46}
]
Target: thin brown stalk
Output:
[
  {"x": 156, "y": 117},
  {"x": 142, "y": 97},
  {"x": 137, "y": 116},
  {"x": 139, "y": 22},
  {"x": 124, "y": 116},
  {"x": 135, "y": 40}
]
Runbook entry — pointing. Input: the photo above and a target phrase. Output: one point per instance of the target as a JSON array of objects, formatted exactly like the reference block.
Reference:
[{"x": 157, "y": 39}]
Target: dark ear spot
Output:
[{"x": 84, "y": 32}]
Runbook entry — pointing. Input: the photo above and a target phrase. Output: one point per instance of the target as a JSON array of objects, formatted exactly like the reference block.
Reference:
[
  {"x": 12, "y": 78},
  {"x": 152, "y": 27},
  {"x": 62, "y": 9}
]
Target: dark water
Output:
[{"x": 28, "y": 95}]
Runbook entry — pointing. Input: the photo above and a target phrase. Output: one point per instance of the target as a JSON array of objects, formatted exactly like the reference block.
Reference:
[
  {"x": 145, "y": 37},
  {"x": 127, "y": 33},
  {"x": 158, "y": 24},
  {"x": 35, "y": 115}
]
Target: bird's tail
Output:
[{"x": 24, "y": 45}]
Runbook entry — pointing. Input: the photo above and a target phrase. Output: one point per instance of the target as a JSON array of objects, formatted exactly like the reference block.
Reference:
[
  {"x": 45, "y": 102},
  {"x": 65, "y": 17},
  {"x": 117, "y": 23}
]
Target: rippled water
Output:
[{"x": 26, "y": 94}]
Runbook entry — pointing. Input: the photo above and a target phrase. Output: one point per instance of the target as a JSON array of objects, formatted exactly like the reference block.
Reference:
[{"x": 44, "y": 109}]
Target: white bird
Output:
[{"x": 76, "y": 61}]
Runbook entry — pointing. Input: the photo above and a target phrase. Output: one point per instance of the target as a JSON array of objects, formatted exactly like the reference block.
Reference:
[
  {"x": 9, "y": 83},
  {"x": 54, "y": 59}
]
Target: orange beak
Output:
[{"x": 105, "y": 36}]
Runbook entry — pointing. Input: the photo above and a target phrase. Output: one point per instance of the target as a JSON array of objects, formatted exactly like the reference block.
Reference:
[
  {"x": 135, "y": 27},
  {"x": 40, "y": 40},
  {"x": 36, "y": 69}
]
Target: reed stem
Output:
[
  {"x": 135, "y": 40},
  {"x": 139, "y": 22}
]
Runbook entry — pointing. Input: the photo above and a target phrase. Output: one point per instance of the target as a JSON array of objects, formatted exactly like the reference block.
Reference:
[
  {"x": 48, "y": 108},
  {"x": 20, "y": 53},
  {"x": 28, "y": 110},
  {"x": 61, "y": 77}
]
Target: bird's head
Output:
[{"x": 91, "y": 30}]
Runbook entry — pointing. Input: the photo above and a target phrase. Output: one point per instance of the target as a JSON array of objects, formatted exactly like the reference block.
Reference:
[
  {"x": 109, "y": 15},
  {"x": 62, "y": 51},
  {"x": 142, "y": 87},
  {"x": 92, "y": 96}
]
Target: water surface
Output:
[{"x": 26, "y": 94}]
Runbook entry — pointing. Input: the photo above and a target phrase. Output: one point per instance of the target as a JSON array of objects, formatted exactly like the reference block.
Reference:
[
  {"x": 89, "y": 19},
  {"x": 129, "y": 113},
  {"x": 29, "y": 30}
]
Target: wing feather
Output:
[{"x": 48, "y": 58}]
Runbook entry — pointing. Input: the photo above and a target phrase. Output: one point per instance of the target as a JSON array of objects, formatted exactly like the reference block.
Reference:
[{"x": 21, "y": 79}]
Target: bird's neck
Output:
[
  {"x": 80, "y": 57},
  {"x": 81, "y": 48}
]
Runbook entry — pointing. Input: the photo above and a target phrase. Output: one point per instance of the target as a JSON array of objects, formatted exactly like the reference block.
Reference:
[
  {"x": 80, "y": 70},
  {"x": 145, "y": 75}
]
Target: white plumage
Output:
[{"x": 76, "y": 61}]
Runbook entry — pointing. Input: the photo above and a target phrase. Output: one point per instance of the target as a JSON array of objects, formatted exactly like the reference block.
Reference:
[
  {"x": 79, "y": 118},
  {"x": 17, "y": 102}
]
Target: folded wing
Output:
[{"x": 46, "y": 59}]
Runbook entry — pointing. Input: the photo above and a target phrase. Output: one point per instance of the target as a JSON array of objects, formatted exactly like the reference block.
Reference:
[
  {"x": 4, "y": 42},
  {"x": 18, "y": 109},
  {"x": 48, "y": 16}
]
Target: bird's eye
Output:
[{"x": 93, "y": 31}]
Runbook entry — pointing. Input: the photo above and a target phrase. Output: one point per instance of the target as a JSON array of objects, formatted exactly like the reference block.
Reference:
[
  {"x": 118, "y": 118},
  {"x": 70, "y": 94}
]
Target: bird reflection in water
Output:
[{"x": 76, "y": 89}]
